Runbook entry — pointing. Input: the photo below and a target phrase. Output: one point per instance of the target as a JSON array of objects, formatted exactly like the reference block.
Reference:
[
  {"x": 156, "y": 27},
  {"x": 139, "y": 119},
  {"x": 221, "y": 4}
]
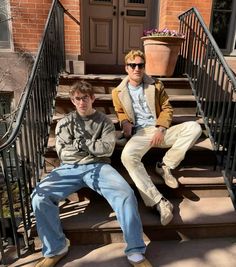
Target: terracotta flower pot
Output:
[{"x": 161, "y": 54}]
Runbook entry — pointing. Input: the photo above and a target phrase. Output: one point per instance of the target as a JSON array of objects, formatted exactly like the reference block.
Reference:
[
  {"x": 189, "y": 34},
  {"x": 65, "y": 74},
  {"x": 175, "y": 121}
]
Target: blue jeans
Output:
[{"x": 100, "y": 177}]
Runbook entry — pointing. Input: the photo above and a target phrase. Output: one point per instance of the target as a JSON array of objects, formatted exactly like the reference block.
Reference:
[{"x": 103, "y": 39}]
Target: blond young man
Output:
[
  {"x": 145, "y": 115},
  {"x": 85, "y": 139}
]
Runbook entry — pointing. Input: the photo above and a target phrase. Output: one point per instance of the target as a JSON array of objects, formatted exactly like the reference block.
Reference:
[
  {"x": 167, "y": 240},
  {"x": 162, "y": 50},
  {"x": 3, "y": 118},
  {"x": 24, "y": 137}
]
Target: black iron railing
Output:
[
  {"x": 21, "y": 155},
  {"x": 214, "y": 86},
  {"x": 21, "y": 152}
]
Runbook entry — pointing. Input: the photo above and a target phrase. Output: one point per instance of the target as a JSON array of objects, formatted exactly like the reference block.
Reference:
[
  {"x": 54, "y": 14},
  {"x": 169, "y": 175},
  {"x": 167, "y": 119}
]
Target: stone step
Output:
[
  {"x": 176, "y": 90},
  {"x": 94, "y": 222},
  {"x": 209, "y": 252},
  {"x": 201, "y": 153},
  {"x": 195, "y": 181},
  {"x": 184, "y": 105},
  {"x": 177, "y": 119},
  {"x": 109, "y": 81},
  {"x": 106, "y": 100}
]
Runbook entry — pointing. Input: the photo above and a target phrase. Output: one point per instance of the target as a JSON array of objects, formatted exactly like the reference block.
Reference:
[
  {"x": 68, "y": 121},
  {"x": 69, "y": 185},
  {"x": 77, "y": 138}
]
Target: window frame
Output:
[
  {"x": 7, "y": 46},
  {"x": 230, "y": 49}
]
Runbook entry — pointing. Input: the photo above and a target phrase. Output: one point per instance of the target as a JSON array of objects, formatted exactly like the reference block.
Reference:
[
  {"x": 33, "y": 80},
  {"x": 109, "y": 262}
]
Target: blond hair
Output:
[{"x": 133, "y": 54}]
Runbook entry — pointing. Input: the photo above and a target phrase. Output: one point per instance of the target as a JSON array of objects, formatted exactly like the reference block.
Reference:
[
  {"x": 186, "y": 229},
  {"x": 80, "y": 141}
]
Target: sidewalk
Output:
[{"x": 219, "y": 252}]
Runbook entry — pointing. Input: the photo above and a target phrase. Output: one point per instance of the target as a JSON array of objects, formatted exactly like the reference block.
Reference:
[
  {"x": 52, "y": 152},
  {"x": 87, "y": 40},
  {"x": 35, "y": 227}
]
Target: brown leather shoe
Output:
[
  {"x": 143, "y": 263},
  {"x": 50, "y": 262}
]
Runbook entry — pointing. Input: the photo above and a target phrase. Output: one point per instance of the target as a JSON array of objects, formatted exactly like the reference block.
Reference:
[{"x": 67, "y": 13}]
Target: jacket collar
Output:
[
  {"x": 146, "y": 80},
  {"x": 126, "y": 100}
]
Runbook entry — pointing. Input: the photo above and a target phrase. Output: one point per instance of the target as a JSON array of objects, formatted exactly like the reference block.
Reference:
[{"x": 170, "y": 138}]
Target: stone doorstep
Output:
[
  {"x": 210, "y": 252},
  {"x": 193, "y": 220},
  {"x": 95, "y": 222},
  {"x": 194, "y": 183},
  {"x": 118, "y": 77},
  {"x": 177, "y": 118},
  {"x": 108, "y": 97},
  {"x": 64, "y": 89},
  {"x": 75, "y": 67}
]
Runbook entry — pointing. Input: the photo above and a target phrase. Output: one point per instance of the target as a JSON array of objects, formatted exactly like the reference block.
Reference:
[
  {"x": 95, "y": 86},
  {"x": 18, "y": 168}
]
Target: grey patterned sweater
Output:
[{"x": 83, "y": 140}]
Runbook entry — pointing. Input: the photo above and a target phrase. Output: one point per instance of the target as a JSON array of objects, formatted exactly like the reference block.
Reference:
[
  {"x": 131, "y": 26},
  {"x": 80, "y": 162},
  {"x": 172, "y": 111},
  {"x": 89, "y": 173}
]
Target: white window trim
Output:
[{"x": 11, "y": 48}]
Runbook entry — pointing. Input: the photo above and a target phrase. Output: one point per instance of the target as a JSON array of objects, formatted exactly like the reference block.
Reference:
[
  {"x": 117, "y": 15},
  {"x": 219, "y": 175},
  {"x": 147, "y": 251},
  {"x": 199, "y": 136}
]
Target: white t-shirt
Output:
[{"x": 143, "y": 115}]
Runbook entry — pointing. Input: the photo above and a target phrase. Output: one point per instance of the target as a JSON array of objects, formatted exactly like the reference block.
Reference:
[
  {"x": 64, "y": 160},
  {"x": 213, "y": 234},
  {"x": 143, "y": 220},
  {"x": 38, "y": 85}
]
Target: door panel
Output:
[
  {"x": 114, "y": 27},
  {"x": 100, "y": 42},
  {"x": 100, "y": 31},
  {"x": 134, "y": 18},
  {"x": 132, "y": 31}
]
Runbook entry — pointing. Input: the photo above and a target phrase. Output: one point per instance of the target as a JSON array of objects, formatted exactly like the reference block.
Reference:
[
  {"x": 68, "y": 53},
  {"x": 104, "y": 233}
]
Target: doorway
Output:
[{"x": 111, "y": 29}]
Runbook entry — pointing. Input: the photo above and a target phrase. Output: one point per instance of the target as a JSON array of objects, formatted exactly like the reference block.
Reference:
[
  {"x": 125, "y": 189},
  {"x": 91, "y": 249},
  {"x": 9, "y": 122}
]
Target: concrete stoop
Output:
[
  {"x": 95, "y": 222},
  {"x": 202, "y": 232},
  {"x": 216, "y": 252},
  {"x": 204, "y": 224}
]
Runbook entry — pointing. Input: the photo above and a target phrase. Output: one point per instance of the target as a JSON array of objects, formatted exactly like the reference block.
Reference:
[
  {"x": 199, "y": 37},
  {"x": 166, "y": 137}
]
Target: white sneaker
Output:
[
  {"x": 135, "y": 257},
  {"x": 66, "y": 248},
  {"x": 165, "y": 173},
  {"x": 165, "y": 209},
  {"x": 138, "y": 260}
]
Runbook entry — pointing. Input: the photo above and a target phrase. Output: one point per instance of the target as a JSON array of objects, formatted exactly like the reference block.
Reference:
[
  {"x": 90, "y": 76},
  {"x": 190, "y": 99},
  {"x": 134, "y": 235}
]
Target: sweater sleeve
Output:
[
  {"x": 102, "y": 143},
  {"x": 66, "y": 146}
]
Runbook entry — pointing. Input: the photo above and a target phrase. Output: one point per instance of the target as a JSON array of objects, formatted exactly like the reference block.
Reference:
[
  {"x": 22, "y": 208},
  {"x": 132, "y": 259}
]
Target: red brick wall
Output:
[
  {"x": 29, "y": 18},
  {"x": 72, "y": 30},
  {"x": 171, "y": 9}
]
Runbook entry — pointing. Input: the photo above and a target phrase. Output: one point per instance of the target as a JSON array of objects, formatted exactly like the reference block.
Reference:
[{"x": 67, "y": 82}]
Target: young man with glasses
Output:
[
  {"x": 145, "y": 115},
  {"x": 85, "y": 139}
]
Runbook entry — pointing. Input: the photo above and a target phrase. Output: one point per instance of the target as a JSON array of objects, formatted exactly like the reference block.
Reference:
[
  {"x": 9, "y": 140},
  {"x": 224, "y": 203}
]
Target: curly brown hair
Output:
[{"x": 82, "y": 87}]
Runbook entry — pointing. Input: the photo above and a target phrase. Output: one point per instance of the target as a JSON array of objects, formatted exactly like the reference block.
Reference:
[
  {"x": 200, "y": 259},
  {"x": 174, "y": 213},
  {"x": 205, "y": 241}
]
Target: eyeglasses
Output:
[
  {"x": 84, "y": 98},
  {"x": 133, "y": 65}
]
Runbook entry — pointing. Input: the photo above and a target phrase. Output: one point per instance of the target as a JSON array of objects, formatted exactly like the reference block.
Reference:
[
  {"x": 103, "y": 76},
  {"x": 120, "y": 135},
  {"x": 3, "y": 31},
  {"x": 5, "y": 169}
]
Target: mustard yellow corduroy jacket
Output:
[{"x": 157, "y": 100}]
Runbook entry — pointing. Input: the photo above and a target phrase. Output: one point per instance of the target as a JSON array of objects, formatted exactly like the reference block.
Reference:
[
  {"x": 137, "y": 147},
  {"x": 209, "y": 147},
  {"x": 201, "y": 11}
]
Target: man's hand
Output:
[
  {"x": 127, "y": 128},
  {"x": 158, "y": 137}
]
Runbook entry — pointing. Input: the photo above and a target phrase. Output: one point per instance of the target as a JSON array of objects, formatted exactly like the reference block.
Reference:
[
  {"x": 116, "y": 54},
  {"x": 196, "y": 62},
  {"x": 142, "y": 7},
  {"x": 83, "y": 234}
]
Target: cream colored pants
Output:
[{"x": 178, "y": 138}]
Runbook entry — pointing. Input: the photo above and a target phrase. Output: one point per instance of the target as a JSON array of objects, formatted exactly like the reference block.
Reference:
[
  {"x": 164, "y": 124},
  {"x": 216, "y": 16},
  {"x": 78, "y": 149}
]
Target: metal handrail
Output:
[
  {"x": 214, "y": 86},
  {"x": 21, "y": 155}
]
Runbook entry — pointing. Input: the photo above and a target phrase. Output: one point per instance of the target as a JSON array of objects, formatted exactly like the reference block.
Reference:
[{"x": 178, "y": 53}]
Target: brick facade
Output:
[
  {"x": 29, "y": 17},
  {"x": 72, "y": 30},
  {"x": 171, "y": 9}
]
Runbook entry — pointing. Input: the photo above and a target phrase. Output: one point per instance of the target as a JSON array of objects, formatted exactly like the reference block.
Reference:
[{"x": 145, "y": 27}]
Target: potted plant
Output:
[{"x": 161, "y": 49}]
